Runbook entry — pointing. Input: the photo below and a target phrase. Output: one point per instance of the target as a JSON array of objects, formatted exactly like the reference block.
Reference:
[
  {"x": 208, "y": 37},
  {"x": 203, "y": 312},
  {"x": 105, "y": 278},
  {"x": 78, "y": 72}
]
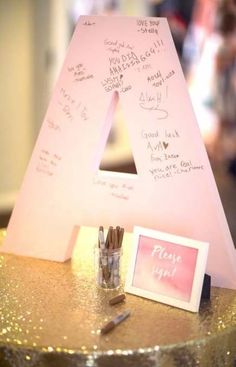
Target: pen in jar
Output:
[
  {"x": 101, "y": 240},
  {"x": 113, "y": 323}
]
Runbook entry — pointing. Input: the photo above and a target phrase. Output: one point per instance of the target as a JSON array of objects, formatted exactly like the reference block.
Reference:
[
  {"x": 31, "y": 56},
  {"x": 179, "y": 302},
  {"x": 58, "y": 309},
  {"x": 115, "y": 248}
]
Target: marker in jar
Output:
[{"x": 110, "y": 253}]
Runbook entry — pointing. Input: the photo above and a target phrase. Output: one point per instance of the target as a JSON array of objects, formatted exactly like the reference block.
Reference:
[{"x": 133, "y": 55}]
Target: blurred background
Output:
[{"x": 34, "y": 36}]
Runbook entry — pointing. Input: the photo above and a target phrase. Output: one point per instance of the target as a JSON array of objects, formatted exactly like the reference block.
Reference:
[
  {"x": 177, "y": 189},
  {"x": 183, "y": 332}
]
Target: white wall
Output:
[
  {"x": 33, "y": 40},
  {"x": 50, "y": 41},
  {"x": 16, "y": 95}
]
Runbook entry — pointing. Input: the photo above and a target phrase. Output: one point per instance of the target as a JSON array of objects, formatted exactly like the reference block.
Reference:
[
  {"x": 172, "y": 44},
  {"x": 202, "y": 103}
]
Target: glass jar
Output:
[{"x": 108, "y": 267}]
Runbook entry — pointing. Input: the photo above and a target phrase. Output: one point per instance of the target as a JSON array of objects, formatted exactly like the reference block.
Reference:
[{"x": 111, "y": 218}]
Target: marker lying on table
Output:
[{"x": 113, "y": 323}]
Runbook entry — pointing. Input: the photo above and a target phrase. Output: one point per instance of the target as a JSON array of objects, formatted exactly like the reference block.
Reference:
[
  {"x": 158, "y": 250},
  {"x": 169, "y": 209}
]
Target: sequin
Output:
[{"x": 53, "y": 309}]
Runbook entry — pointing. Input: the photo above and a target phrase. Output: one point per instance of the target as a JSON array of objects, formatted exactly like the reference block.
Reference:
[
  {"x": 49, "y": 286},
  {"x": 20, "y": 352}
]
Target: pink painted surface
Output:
[
  {"x": 165, "y": 268},
  {"x": 174, "y": 191}
]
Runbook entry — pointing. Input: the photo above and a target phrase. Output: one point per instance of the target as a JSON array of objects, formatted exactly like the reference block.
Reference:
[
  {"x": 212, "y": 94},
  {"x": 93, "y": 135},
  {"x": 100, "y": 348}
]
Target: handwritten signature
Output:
[
  {"x": 152, "y": 103},
  {"x": 87, "y": 22}
]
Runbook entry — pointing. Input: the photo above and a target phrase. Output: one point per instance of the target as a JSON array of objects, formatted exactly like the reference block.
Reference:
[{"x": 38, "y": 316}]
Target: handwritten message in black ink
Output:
[
  {"x": 70, "y": 107},
  {"x": 143, "y": 67},
  {"x": 115, "y": 46},
  {"x": 79, "y": 73},
  {"x": 148, "y": 26},
  {"x": 163, "y": 148},
  {"x": 157, "y": 79},
  {"x": 115, "y": 83},
  {"x": 120, "y": 63},
  {"x": 47, "y": 162},
  {"x": 116, "y": 189},
  {"x": 88, "y": 23},
  {"x": 111, "y": 83}
]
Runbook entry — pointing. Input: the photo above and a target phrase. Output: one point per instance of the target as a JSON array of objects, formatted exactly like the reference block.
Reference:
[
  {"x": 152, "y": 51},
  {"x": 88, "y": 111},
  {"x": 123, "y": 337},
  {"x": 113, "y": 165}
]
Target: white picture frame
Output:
[{"x": 167, "y": 268}]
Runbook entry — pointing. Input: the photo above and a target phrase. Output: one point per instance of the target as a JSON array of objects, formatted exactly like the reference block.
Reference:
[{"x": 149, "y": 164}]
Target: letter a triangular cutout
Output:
[
  {"x": 117, "y": 155},
  {"x": 174, "y": 189}
]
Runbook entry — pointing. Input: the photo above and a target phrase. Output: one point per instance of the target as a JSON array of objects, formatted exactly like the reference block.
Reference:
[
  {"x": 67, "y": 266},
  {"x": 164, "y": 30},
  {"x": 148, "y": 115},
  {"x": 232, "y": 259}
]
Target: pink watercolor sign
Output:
[
  {"x": 130, "y": 62},
  {"x": 167, "y": 268}
]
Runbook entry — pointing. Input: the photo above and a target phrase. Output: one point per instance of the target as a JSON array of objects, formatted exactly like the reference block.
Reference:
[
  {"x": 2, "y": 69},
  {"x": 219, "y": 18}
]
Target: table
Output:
[{"x": 51, "y": 314}]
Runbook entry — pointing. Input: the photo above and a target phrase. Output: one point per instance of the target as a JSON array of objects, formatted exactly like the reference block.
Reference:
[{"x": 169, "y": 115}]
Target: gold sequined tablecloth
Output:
[{"x": 51, "y": 314}]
